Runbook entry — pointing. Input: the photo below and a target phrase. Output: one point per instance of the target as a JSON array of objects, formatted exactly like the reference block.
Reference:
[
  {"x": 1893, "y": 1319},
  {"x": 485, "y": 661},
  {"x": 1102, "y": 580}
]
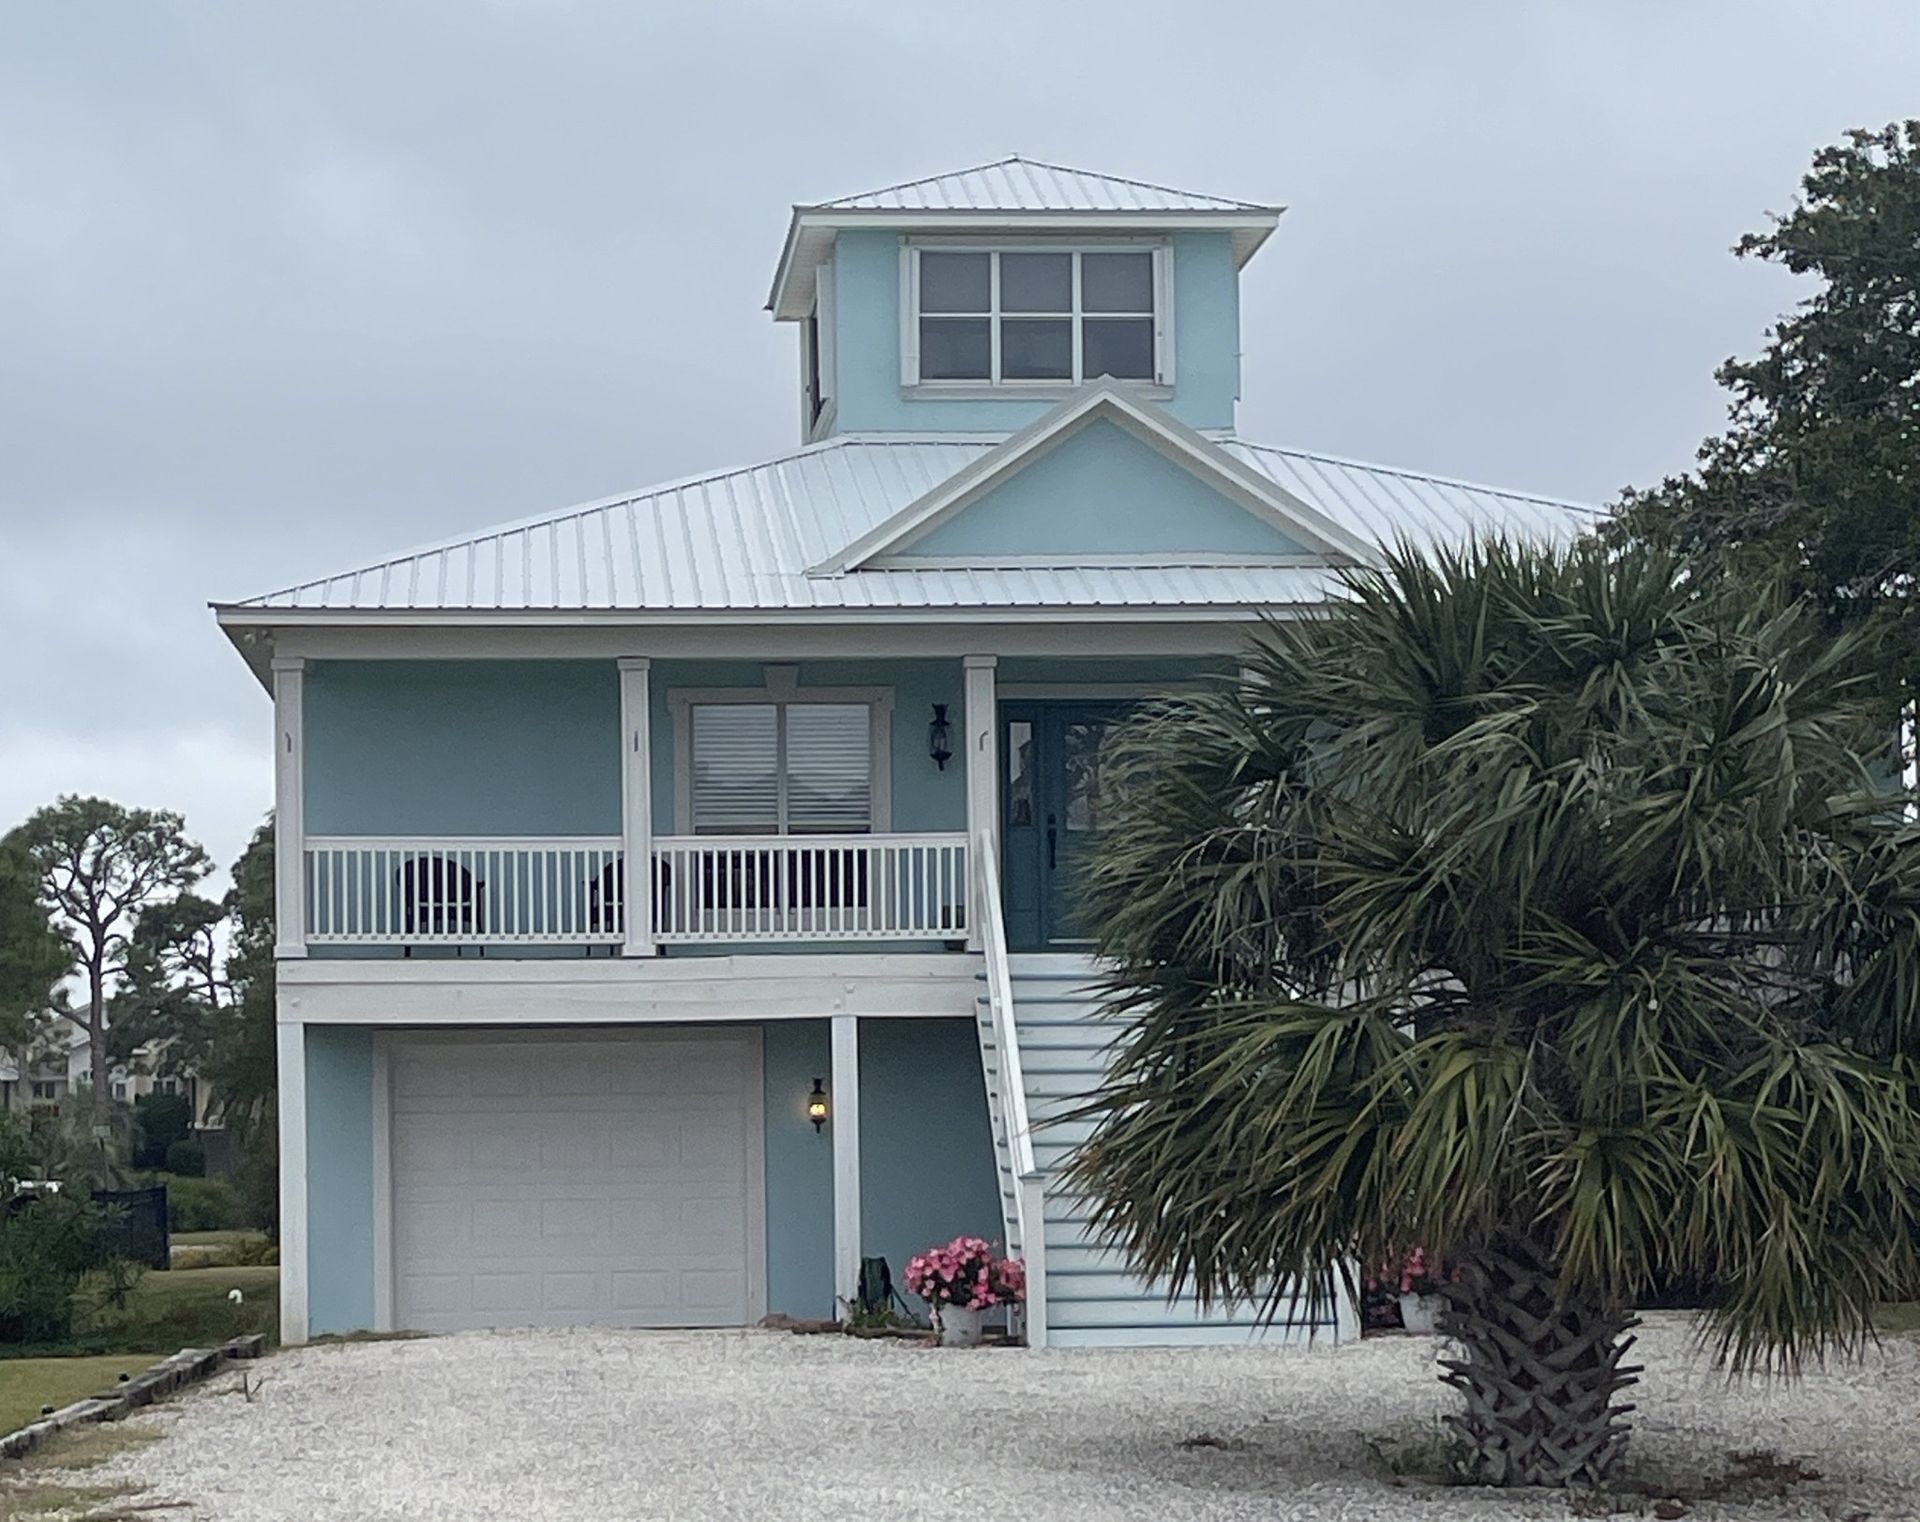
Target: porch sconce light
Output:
[
  {"x": 940, "y": 737},
  {"x": 817, "y": 1106}
]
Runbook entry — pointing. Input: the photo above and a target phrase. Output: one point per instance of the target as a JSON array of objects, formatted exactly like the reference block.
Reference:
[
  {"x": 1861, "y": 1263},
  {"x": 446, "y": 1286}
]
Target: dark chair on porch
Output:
[
  {"x": 440, "y": 898},
  {"x": 606, "y": 905},
  {"x": 783, "y": 883}
]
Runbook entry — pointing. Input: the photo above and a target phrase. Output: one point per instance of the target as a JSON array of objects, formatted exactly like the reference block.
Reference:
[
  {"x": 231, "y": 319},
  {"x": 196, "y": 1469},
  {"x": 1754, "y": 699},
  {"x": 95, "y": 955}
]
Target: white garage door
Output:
[{"x": 591, "y": 1181}]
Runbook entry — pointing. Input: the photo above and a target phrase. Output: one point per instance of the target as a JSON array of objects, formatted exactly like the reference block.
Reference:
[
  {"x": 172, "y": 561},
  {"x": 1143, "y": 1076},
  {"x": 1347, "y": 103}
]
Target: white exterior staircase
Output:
[{"x": 1043, "y": 1046}]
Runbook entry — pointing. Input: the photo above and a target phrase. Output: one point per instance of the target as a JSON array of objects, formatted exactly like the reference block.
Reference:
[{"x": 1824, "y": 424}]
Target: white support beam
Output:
[
  {"x": 292, "y": 1103},
  {"x": 289, "y": 806},
  {"x": 636, "y": 792},
  {"x": 981, "y": 747},
  {"x": 845, "y": 1124}
]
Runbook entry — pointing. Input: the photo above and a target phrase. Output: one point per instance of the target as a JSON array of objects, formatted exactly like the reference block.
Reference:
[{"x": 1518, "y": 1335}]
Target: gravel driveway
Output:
[{"x": 767, "y": 1425}]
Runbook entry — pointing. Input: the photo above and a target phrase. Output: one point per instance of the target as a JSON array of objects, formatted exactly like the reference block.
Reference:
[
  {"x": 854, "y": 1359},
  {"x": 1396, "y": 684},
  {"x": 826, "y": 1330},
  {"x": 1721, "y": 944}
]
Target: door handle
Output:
[{"x": 1053, "y": 838}]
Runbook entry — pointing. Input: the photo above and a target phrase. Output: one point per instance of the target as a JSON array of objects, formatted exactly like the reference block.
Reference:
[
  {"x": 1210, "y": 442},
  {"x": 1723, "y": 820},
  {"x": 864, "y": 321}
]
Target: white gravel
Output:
[{"x": 767, "y": 1425}]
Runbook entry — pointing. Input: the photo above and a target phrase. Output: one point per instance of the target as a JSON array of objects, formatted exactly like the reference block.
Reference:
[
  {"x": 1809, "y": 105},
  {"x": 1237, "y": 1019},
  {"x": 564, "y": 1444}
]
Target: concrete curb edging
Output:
[{"x": 183, "y": 1368}]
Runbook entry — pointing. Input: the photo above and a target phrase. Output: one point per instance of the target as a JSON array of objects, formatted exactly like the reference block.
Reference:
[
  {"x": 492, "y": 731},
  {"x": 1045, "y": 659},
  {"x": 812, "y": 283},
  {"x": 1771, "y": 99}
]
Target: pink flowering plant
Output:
[
  {"x": 967, "y": 1273},
  {"x": 1417, "y": 1274}
]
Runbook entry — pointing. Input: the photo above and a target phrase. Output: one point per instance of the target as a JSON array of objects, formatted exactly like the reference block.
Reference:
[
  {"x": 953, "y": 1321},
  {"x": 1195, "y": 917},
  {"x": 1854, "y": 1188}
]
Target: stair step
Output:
[
  {"x": 1043, "y": 1061},
  {"x": 1136, "y": 1310},
  {"x": 1157, "y": 1336}
]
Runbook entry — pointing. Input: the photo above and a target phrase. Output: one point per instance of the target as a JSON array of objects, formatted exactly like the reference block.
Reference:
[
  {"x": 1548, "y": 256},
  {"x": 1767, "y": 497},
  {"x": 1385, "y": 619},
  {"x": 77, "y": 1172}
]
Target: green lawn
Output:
[
  {"x": 189, "y": 1307},
  {"x": 27, "y": 1384},
  {"x": 213, "y": 1238},
  {"x": 180, "y": 1308}
]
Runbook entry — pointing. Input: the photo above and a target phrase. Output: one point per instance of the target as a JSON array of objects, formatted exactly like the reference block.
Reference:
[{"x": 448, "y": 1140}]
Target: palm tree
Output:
[{"x": 1534, "y": 909}]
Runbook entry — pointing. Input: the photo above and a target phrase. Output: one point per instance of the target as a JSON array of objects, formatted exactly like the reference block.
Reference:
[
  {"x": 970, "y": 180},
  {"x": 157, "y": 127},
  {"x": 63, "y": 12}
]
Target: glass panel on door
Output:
[{"x": 1051, "y": 816}]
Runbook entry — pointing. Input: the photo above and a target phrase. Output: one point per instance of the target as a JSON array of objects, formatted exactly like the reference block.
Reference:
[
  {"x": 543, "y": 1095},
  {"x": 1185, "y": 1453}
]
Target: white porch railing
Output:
[
  {"x": 571, "y": 890},
  {"x": 1026, "y": 1222},
  {"x": 464, "y": 891},
  {"x": 809, "y": 888}
]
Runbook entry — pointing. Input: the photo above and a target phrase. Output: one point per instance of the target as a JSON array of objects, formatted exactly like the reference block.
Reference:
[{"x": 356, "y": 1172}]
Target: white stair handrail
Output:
[{"x": 1029, "y": 1184}]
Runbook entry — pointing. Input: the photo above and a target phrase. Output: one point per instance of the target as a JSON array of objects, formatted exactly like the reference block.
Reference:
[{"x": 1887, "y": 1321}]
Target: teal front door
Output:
[{"x": 1050, "y": 816}]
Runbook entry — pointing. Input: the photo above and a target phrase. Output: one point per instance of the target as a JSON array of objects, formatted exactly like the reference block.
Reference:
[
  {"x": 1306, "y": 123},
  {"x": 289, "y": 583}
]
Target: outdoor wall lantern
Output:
[
  {"x": 940, "y": 737},
  {"x": 817, "y": 1106}
]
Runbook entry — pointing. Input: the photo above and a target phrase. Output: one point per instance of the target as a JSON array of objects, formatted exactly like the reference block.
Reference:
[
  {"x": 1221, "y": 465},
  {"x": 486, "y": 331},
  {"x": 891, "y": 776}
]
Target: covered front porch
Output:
[{"x": 639, "y": 807}]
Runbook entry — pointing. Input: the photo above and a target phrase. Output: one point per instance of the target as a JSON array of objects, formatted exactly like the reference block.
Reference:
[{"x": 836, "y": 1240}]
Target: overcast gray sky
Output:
[{"x": 286, "y": 287}]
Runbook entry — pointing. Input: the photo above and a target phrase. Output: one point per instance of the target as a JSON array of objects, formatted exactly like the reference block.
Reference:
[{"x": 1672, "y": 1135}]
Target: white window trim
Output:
[
  {"x": 1163, "y": 330},
  {"x": 782, "y": 688}
]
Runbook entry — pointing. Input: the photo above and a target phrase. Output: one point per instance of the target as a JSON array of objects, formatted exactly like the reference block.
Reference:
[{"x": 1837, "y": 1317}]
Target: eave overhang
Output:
[{"x": 811, "y": 233}]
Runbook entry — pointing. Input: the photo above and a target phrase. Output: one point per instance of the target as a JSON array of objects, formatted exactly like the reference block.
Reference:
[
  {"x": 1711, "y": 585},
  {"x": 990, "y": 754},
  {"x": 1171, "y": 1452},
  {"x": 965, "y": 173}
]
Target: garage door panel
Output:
[
  {"x": 512, "y": 1148},
  {"x": 414, "y": 1077},
  {"x": 590, "y": 1182},
  {"x": 631, "y": 1145},
  {"x": 516, "y": 1294},
  {"x": 644, "y": 1291},
  {"x": 570, "y": 1148},
  {"x": 566, "y": 1075},
  {"x": 714, "y": 1288},
  {"x": 505, "y": 1220},
  {"x": 495, "y": 1082},
  {"x": 422, "y": 1147},
  {"x": 568, "y": 1292}
]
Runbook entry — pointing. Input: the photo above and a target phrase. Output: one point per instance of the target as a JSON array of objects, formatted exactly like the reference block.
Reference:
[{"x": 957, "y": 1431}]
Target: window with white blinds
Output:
[{"x": 782, "y": 768}]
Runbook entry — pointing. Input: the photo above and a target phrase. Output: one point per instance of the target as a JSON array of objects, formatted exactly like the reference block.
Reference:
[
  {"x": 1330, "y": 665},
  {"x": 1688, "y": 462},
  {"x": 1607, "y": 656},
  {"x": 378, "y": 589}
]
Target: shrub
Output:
[
  {"x": 163, "y": 1120},
  {"x": 188, "y": 1158},
  {"x": 258, "y": 1180},
  {"x": 200, "y": 1204},
  {"x": 255, "y": 1252},
  {"x": 45, "y": 1246}
]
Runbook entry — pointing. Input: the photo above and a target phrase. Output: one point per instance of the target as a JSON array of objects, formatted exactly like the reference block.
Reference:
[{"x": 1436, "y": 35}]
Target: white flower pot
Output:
[
  {"x": 1420, "y": 1314},
  {"x": 960, "y": 1327}
]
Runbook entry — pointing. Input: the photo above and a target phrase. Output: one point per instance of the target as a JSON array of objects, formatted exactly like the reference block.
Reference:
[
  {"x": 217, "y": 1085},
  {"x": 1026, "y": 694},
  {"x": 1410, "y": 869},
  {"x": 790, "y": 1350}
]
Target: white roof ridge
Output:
[
  {"x": 846, "y": 202},
  {"x": 1410, "y": 474}
]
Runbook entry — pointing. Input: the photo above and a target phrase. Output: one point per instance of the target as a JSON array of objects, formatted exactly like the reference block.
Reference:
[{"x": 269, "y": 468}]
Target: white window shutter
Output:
[
  {"x": 829, "y": 768},
  {"x": 1163, "y": 314},
  {"x": 828, "y": 358},
  {"x": 909, "y": 316},
  {"x": 736, "y": 768}
]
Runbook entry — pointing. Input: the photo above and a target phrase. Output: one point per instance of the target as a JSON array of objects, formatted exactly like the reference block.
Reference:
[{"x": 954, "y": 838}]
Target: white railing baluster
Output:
[{"x": 570, "y": 891}]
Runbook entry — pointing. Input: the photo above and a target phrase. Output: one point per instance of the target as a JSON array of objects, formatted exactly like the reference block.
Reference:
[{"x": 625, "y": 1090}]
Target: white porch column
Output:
[
  {"x": 292, "y": 1102},
  {"x": 289, "y": 807},
  {"x": 846, "y": 1162},
  {"x": 982, "y": 750},
  {"x": 636, "y": 792}
]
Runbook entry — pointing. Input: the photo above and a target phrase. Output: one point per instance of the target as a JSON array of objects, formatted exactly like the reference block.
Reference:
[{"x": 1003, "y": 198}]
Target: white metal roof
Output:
[
  {"x": 1015, "y": 192},
  {"x": 742, "y": 540},
  {"x": 1027, "y": 185}
]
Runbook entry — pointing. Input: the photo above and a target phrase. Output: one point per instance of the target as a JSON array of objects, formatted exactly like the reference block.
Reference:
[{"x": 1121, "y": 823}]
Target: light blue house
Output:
[{"x": 676, "y": 891}]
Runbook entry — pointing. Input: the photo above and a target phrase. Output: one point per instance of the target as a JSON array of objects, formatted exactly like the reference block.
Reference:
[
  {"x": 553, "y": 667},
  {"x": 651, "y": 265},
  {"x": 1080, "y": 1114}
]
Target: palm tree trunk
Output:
[{"x": 1539, "y": 1374}]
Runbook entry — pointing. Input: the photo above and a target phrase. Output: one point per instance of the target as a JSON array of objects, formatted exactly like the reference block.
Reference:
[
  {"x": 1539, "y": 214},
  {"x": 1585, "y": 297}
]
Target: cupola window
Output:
[{"x": 1020, "y": 317}]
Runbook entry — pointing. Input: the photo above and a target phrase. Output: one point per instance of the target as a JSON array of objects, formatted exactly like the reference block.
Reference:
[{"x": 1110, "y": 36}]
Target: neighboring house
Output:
[
  {"x": 58, "y": 1064},
  {"x": 611, "y": 840}
]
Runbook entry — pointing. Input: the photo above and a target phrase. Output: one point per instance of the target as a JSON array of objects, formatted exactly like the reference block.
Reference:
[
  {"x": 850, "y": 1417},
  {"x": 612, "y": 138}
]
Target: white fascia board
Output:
[
  {"x": 771, "y": 623},
  {"x": 1223, "y": 631},
  {"x": 388, "y": 992},
  {"x": 1153, "y": 426},
  {"x": 813, "y": 228}
]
